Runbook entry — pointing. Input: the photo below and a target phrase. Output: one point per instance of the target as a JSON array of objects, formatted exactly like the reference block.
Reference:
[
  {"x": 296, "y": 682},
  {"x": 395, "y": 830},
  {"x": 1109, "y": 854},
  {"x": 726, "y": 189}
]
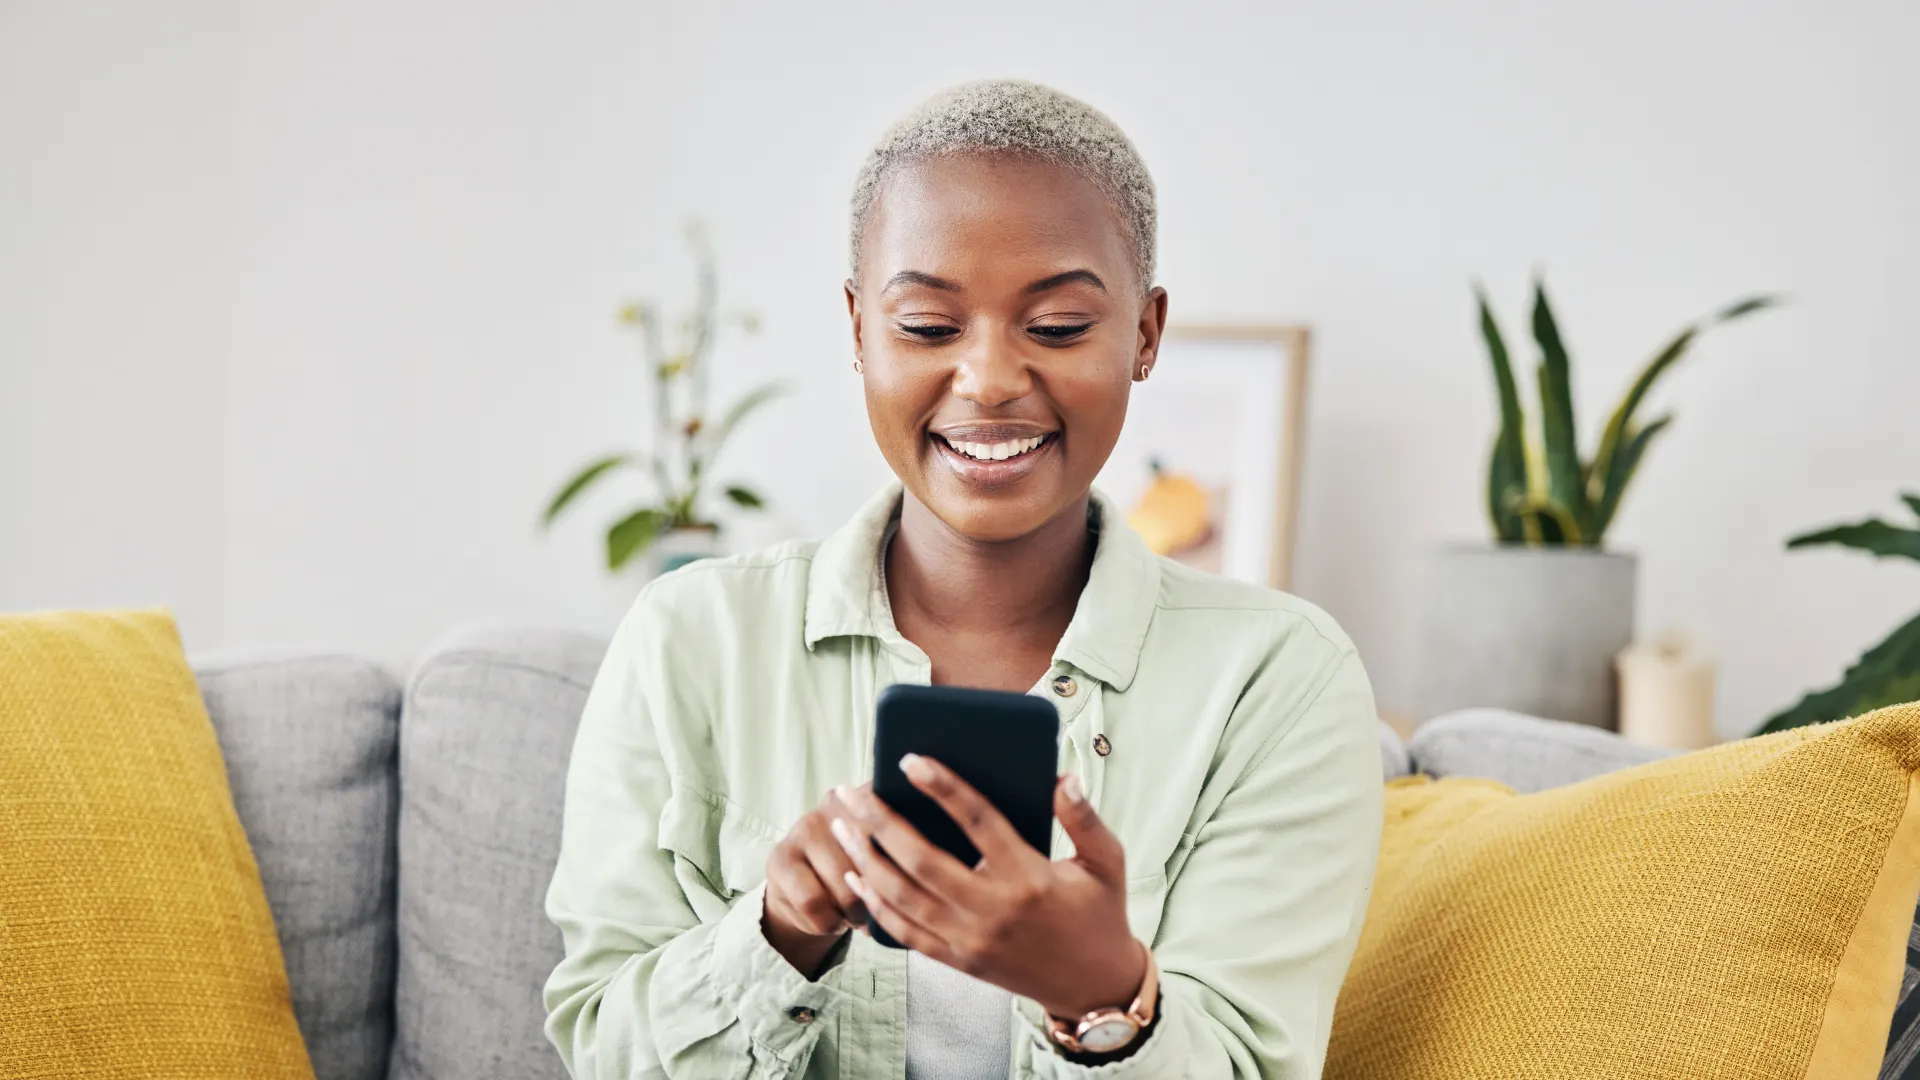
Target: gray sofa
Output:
[{"x": 405, "y": 834}]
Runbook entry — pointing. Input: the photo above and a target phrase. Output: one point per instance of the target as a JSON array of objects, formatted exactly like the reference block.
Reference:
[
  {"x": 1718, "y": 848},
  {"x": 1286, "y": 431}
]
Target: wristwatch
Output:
[{"x": 1104, "y": 1031}]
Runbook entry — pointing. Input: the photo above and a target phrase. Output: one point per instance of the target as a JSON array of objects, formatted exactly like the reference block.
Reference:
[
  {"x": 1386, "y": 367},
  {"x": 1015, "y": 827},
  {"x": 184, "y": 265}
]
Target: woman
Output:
[{"x": 1220, "y": 806}]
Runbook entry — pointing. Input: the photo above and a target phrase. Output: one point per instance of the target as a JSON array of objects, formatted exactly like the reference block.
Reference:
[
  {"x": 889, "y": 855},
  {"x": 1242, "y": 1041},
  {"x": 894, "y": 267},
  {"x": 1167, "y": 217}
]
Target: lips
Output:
[{"x": 987, "y": 459}]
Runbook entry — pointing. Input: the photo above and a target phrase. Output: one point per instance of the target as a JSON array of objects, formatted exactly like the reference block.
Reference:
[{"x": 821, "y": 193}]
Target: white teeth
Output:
[{"x": 1000, "y": 451}]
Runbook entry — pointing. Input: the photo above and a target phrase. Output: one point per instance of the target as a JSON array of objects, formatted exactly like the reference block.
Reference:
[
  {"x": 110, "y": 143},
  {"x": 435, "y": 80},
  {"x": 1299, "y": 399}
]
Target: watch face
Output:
[{"x": 1108, "y": 1035}]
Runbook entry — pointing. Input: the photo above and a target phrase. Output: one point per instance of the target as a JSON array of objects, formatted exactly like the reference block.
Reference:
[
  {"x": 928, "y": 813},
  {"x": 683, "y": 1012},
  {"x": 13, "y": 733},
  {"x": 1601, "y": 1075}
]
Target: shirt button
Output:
[
  {"x": 800, "y": 1014},
  {"x": 1064, "y": 686},
  {"x": 1102, "y": 746}
]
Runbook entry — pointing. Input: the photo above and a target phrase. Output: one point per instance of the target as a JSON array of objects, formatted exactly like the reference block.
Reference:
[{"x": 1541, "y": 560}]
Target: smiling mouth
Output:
[{"x": 999, "y": 450}]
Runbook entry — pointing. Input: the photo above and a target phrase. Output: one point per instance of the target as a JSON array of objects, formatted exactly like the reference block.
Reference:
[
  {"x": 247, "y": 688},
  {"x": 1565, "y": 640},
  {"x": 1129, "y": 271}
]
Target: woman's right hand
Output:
[{"x": 809, "y": 907}]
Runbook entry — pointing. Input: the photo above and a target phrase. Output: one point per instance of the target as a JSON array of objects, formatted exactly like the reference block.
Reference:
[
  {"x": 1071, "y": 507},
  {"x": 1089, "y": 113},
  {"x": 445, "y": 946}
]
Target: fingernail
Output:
[
  {"x": 844, "y": 794},
  {"x": 1070, "y": 787},
  {"x": 915, "y": 767},
  {"x": 843, "y": 834},
  {"x": 853, "y": 882}
]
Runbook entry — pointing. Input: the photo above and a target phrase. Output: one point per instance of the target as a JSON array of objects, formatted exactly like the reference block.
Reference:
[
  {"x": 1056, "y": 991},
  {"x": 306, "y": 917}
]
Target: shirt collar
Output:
[{"x": 845, "y": 596}]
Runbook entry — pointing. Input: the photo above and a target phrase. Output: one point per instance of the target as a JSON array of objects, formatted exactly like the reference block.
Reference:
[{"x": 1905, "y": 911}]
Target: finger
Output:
[
  {"x": 883, "y": 878},
  {"x": 1094, "y": 845},
  {"x": 896, "y": 923},
  {"x": 934, "y": 869},
  {"x": 830, "y": 865},
  {"x": 983, "y": 822},
  {"x": 804, "y": 897}
]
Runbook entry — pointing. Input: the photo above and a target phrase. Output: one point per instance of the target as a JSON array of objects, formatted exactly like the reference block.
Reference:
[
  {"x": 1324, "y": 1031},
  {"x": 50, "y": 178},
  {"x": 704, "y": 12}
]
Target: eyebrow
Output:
[
  {"x": 1058, "y": 280},
  {"x": 917, "y": 277}
]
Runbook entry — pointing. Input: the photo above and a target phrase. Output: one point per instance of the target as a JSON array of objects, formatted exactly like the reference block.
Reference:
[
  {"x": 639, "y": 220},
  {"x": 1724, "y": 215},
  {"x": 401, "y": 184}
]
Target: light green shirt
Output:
[{"x": 1241, "y": 771}]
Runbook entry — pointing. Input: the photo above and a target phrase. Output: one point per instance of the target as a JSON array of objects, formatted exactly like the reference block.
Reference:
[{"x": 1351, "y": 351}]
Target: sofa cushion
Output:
[
  {"x": 135, "y": 937},
  {"x": 1739, "y": 912},
  {"x": 488, "y": 726},
  {"x": 310, "y": 742},
  {"x": 1523, "y": 752}
]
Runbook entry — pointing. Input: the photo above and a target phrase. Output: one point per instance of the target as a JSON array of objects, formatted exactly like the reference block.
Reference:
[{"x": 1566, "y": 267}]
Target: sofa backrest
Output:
[
  {"x": 310, "y": 743},
  {"x": 484, "y": 742},
  {"x": 1526, "y": 753}
]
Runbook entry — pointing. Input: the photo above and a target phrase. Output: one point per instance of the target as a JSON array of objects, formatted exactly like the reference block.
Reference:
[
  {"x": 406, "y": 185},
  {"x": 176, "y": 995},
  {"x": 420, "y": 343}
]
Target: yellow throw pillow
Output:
[
  {"x": 1740, "y": 913},
  {"x": 135, "y": 940}
]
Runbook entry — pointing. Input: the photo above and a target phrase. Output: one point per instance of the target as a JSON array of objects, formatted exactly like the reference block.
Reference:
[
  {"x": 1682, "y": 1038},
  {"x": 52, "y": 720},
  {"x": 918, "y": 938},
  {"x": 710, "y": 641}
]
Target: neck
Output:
[{"x": 1028, "y": 586}]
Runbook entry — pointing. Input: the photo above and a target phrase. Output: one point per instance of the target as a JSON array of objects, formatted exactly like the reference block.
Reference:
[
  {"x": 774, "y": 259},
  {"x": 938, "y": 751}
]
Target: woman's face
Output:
[{"x": 1000, "y": 324}]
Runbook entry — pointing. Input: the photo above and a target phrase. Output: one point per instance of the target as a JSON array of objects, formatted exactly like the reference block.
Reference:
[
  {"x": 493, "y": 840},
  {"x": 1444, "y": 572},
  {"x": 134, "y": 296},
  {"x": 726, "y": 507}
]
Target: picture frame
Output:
[{"x": 1223, "y": 415}]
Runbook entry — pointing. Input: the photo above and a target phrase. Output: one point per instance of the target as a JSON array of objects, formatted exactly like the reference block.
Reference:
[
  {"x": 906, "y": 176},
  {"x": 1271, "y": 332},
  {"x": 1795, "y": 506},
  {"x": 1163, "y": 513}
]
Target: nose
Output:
[{"x": 992, "y": 374}]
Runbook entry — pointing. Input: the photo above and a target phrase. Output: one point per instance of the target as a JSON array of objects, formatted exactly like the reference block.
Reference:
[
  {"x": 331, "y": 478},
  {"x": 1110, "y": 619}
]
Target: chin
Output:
[{"x": 997, "y": 517}]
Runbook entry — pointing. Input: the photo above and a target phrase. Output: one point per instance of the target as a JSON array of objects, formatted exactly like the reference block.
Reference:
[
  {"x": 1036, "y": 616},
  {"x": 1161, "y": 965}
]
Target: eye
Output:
[
  {"x": 930, "y": 332},
  {"x": 1058, "y": 331}
]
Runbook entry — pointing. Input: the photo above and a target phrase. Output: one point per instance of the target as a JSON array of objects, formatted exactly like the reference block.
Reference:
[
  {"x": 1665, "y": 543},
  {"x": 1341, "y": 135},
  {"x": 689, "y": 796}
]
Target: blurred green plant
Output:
[
  {"x": 686, "y": 439},
  {"x": 1888, "y": 673},
  {"x": 1539, "y": 490}
]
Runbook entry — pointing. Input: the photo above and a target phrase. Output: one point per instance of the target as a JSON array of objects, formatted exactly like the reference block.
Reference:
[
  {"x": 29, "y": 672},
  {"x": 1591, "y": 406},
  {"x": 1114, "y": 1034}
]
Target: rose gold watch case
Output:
[{"x": 1104, "y": 1031}]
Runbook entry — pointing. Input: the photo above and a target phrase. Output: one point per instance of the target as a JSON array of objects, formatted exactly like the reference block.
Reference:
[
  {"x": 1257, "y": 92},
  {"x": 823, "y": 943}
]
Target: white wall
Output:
[
  {"x": 115, "y": 180},
  {"x": 305, "y": 308}
]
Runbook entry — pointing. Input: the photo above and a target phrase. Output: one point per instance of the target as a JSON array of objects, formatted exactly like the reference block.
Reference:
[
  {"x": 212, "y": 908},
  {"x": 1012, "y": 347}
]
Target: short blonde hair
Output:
[{"x": 1013, "y": 116}]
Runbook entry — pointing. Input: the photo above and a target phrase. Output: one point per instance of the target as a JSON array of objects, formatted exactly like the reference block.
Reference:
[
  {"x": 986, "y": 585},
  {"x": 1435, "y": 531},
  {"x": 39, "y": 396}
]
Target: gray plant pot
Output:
[
  {"x": 1529, "y": 629},
  {"x": 678, "y": 547}
]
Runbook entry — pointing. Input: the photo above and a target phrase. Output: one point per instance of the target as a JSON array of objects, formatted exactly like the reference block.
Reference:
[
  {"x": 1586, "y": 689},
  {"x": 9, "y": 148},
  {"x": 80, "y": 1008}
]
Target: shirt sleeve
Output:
[
  {"x": 1263, "y": 918},
  {"x": 663, "y": 975}
]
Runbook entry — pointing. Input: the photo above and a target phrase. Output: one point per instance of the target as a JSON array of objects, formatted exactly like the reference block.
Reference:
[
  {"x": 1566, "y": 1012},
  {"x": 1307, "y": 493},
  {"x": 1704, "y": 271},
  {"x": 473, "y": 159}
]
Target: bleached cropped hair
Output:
[{"x": 1012, "y": 116}]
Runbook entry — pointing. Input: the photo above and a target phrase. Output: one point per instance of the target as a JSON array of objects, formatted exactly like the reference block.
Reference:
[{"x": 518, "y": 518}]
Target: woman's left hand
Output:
[{"x": 1054, "y": 932}]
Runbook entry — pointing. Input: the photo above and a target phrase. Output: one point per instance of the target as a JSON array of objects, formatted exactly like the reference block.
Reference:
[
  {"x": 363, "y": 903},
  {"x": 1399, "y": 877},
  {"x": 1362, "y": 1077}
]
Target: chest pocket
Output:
[
  {"x": 1147, "y": 892},
  {"x": 719, "y": 849}
]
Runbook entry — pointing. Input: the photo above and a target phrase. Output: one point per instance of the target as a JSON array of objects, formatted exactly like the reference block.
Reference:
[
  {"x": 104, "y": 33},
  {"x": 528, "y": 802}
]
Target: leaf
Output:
[
  {"x": 1551, "y": 511},
  {"x": 745, "y": 497},
  {"x": 634, "y": 534},
  {"x": 1620, "y": 469},
  {"x": 1507, "y": 469},
  {"x": 581, "y": 481},
  {"x": 1565, "y": 480},
  {"x": 1887, "y": 674},
  {"x": 715, "y": 436},
  {"x": 1622, "y": 418},
  {"x": 1504, "y": 486},
  {"x": 1912, "y": 501},
  {"x": 1871, "y": 535},
  {"x": 1745, "y": 307}
]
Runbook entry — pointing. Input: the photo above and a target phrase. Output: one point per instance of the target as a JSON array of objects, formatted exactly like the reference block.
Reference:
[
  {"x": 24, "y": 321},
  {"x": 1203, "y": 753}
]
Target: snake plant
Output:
[
  {"x": 1540, "y": 491},
  {"x": 1888, "y": 673},
  {"x": 685, "y": 438}
]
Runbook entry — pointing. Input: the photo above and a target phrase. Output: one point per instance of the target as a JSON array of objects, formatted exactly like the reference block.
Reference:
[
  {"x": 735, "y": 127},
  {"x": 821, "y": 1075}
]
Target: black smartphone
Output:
[{"x": 1006, "y": 745}]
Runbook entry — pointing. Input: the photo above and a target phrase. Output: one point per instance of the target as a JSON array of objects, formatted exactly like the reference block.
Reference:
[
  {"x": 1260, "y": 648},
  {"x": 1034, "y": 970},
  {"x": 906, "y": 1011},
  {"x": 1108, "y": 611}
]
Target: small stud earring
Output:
[
  {"x": 1144, "y": 372},
  {"x": 858, "y": 368}
]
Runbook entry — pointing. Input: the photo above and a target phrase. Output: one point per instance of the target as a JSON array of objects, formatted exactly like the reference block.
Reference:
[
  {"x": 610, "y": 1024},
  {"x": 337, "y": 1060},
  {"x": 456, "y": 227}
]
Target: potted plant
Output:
[
  {"x": 1533, "y": 621},
  {"x": 675, "y": 525},
  {"x": 1888, "y": 673}
]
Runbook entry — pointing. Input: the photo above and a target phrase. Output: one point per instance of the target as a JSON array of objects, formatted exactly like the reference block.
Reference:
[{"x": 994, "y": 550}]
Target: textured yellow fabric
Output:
[
  {"x": 1735, "y": 913},
  {"x": 135, "y": 940}
]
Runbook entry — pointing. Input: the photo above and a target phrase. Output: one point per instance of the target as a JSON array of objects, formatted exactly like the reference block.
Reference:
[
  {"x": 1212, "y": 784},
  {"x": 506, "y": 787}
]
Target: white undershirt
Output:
[{"x": 958, "y": 1028}]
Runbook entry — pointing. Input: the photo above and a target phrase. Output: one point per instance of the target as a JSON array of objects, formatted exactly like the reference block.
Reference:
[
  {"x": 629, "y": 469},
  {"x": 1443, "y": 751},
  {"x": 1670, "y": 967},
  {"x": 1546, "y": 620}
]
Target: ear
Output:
[
  {"x": 853, "y": 313},
  {"x": 1153, "y": 322}
]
